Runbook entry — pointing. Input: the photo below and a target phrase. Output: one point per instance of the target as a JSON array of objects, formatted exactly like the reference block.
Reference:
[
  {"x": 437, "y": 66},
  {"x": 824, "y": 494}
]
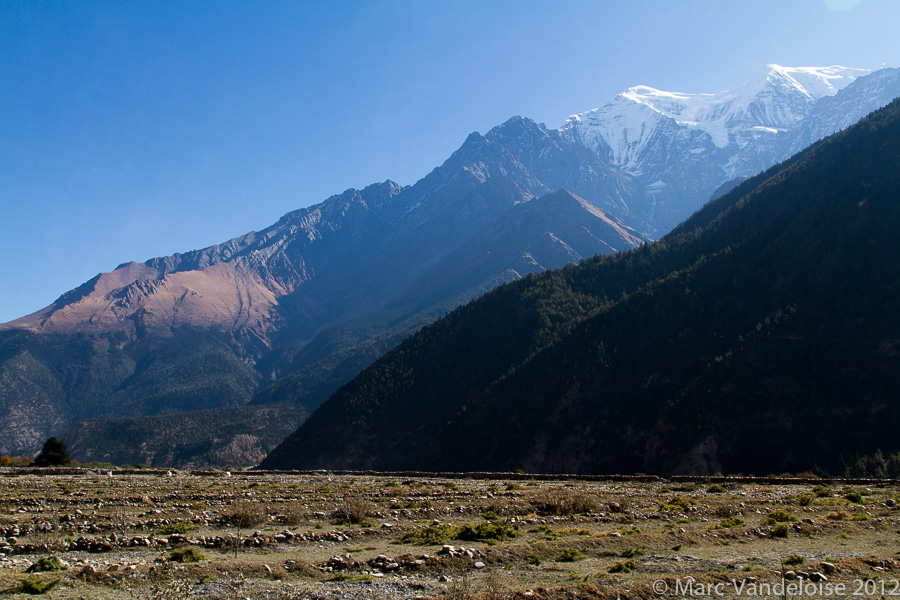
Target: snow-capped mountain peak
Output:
[
  {"x": 773, "y": 100},
  {"x": 670, "y": 141},
  {"x": 818, "y": 82}
]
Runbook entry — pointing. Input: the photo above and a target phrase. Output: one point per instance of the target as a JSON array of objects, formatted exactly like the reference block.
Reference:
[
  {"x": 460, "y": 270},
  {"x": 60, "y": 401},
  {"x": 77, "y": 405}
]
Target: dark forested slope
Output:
[{"x": 761, "y": 335}]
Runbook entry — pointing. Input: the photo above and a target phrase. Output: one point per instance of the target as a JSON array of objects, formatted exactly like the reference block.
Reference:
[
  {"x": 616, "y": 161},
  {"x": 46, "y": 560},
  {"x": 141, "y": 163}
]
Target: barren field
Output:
[{"x": 154, "y": 535}]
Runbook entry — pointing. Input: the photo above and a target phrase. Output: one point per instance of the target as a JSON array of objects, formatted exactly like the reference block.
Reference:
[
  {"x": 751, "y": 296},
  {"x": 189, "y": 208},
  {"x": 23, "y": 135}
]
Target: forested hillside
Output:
[{"x": 761, "y": 335}]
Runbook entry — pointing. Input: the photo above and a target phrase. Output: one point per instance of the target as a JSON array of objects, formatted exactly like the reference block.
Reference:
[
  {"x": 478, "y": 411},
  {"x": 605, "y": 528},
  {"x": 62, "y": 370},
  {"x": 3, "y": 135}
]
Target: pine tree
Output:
[{"x": 53, "y": 454}]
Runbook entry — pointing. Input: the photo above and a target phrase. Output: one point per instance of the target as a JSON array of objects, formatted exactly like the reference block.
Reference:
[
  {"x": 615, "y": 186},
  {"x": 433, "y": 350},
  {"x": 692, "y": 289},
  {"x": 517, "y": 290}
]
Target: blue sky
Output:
[{"x": 141, "y": 129}]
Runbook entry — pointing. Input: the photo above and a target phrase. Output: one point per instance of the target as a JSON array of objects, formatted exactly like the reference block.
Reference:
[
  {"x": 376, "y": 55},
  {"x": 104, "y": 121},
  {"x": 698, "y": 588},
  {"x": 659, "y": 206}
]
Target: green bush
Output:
[
  {"x": 46, "y": 563},
  {"x": 623, "y": 567},
  {"x": 33, "y": 584},
  {"x": 431, "y": 535},
  {"x": 489, "y": 533},
  {"x": 570, "y": 555},
  {"x": 853, "y": 496},
  {"x": 186, "y": 554},
  {"x": 177, "y": 527},
  {"x": 633, "y": 530},
  {"x": 780, "y": 516},
  {"x": 677, "y": 503},
  {"x": 715, "y": 489},
  {"x": 729, "y": 523},
  {"x": 793, "y": 559}
]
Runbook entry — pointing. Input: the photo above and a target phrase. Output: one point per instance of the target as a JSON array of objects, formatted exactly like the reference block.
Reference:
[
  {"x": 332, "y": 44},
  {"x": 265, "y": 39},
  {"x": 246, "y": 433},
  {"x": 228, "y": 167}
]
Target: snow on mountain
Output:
[
  {"x": 680, "y": 147},
  {"x": 774, "y": 100},
  {"x": 837, "y": 112}
]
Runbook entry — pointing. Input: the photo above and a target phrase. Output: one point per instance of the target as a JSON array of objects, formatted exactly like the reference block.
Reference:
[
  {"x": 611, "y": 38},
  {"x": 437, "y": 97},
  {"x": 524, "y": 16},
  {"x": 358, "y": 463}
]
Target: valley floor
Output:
[{"x": 216, "y": 535}]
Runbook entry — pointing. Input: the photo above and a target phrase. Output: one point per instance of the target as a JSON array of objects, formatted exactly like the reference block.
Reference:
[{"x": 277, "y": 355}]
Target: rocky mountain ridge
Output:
[
  {"x": 305, "y": 304},
  {"x": 358, "y": 271}
]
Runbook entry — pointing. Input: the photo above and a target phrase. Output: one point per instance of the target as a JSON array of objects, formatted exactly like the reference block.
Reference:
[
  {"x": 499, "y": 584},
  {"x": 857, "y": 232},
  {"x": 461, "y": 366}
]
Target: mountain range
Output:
[
  {"x": 762, "y": 335},
  {"x": 290, "y": 313}
]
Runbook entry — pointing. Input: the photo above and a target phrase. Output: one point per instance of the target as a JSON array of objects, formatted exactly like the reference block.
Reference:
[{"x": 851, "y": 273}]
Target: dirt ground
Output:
[{"x": 216, "y": 535}]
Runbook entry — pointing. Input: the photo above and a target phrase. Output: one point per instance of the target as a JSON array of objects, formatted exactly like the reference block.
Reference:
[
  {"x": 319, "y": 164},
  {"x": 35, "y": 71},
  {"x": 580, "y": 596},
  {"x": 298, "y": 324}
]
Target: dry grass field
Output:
[{"x": 159, "y": 535}]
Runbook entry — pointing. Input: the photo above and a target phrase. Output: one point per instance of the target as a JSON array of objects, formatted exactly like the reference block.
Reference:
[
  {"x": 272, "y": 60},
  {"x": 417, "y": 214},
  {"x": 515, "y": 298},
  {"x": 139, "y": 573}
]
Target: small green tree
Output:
[{"x": 53, "y": 454}]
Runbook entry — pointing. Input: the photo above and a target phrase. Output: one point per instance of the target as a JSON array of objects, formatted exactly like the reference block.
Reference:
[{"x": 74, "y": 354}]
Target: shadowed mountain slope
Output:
[{"x": 760, "y": 336}]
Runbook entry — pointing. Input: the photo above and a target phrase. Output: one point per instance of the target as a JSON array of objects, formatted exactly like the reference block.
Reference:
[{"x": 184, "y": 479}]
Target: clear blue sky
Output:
[{"x": 130, "y": 130}]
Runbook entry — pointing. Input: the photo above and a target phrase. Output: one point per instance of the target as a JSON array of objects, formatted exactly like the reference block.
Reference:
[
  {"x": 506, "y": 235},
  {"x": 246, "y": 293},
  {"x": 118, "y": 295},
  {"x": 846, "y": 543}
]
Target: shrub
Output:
[
  {"x": 715, "y": 489},
  {"x": 729, "y": 523},
  {"x": 780, "y": 516},
  {"x": 431, "y": 535},
  {"x": 186, "y": 554},
  {"x": 727, "y": 510},
  {"x": 631, "y": 553},
  {"x": 46, "y": 563},
  {"x": 570, "y": 555},
  {"x": 793, "y": 559},
  {"x": 564, "y": 502},
  {"x": 353, "y": 510},
  {"x": 245, "y": 514},
  {"x": 177, "y": 527},
  {"x": 292, "y": 514},
  {"x": 676, "y": 504},
  {"x": 853, "y": 496},
  {"x": 780, "y": 531},
  {"x": 623, "y": 567},
  {"x": 33, "y": 584},
  {"x": 489, "y": 533}
]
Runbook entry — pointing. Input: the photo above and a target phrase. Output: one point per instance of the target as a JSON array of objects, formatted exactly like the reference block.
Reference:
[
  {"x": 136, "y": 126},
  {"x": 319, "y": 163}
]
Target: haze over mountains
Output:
[{"x": 305, "y": 304}]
